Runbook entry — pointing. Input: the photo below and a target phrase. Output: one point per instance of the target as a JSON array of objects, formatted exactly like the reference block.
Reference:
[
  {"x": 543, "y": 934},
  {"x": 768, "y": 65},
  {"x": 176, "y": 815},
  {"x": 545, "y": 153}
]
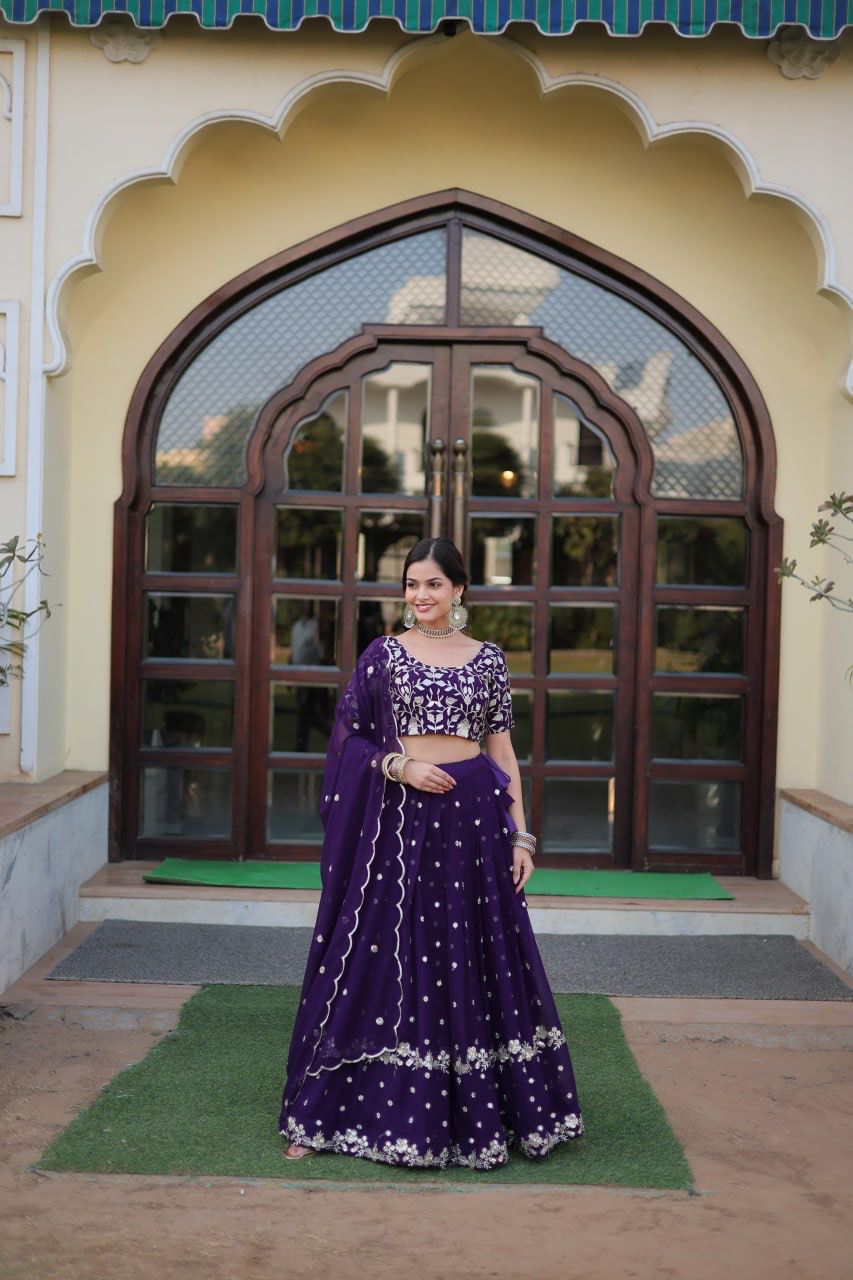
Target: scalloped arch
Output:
[{"x": 415, "y": 53}]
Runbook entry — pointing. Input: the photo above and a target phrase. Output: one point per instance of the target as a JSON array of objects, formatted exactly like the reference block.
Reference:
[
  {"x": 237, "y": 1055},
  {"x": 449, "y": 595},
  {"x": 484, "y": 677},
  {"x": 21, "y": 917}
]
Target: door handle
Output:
[
  {"x": 460, "y": 467},
  {"x": 436, "y": 497}
]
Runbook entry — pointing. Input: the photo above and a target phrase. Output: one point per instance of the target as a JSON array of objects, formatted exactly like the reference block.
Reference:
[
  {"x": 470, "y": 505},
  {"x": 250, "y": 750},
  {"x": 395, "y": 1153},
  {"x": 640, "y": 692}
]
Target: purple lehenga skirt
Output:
[{"x": 481, "y": 1064}]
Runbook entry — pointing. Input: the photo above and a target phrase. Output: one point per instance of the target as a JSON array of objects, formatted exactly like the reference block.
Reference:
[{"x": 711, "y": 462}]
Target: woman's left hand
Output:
[{"x": 522, "y": 868}]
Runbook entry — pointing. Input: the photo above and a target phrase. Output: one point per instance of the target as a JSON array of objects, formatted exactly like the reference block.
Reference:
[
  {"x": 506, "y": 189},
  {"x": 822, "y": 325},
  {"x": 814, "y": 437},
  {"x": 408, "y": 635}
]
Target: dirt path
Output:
[{"x": 766, "y": 1131}]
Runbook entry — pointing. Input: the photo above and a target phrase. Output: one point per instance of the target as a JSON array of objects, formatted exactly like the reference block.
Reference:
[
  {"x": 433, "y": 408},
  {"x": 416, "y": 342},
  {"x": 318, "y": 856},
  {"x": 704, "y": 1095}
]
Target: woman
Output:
[{"x": 426, "y": 1032}]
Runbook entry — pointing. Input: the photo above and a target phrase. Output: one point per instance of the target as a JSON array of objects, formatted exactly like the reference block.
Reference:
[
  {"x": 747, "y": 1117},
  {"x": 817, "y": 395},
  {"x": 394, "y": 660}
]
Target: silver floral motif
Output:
[
  {"x": 539, "y": 1144},
  {"x": 468, "y": 701},
  {"x": 476, "y": 1058},
  {"x": 401, "y": 1151}
]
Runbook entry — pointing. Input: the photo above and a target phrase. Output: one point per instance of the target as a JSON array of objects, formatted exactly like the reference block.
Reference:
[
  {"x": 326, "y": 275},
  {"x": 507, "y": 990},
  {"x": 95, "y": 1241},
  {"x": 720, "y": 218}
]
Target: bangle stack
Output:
[
  {"x": 525, "y": 840},
  {"x": 393, "y": 765}
]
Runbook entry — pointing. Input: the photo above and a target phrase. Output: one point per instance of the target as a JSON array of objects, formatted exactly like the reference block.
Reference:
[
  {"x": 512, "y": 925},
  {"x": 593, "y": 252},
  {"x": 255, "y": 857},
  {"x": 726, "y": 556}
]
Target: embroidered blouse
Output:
[{"x": 468, "y": 701}]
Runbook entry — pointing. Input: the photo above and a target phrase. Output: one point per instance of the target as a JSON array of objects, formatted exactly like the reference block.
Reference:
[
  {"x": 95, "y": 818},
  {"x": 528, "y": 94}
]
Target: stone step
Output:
[
  {"x": 125, "y": 1006},
  {"x": 117, "y": 891}
]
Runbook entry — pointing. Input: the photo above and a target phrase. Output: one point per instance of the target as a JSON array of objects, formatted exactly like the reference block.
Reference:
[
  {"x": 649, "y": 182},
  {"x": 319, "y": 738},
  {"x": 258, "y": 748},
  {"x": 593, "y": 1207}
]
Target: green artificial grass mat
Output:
[
  {"x": 554, "y": 880},
  {"x": 205, "y": 1101},
  {"x": 685, "y": 885}
]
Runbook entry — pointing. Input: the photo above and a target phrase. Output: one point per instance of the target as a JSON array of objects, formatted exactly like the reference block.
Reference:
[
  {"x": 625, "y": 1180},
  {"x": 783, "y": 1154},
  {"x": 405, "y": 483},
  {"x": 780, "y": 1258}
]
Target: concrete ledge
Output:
[
  {"x": 22, "y": 803},
  {"x": 815, "y": 841},
  {"x": 836, "y": 812},
  {"x": 53, "y": 838}
]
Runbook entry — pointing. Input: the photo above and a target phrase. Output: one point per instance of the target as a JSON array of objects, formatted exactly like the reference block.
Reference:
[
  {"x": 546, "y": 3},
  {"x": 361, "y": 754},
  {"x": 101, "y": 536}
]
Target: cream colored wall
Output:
[
  {"x": 15, "y": 271},
  {"x": 834, "y": 694},
  {"x": 725, "y": 82},
  {"x": 577, "y": 157},
  {"x": 789, "y": 127},
  {"x": 574, "y": 159}
]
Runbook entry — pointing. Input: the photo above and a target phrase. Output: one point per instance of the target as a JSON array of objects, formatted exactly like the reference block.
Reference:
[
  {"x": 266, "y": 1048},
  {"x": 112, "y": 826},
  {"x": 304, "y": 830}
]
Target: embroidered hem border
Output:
[
  {"x": 475, "y": 1059},
  {"x": 401, "y": 1151}
]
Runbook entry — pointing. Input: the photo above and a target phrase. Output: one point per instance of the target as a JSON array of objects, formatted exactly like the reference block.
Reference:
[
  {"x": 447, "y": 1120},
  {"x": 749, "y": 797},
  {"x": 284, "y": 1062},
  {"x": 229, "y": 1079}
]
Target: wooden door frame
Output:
[
  {"x": 451, "y": 209},
  {"x": 524, "y": 350}
]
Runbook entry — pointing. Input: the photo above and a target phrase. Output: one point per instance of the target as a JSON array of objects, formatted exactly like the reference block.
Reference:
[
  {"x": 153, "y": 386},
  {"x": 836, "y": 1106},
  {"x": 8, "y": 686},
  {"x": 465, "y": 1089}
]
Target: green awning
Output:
[{"x": 759, "y": 19}]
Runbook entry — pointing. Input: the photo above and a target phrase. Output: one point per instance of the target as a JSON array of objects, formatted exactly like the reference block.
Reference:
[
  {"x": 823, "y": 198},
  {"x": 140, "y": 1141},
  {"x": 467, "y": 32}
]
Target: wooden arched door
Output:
[
  {"x": 595, "y": 447},
  {"x": 536, "y": 470}
]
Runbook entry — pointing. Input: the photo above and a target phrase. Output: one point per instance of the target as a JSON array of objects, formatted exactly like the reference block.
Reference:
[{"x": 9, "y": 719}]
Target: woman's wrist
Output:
[
  {"x": 393, "y": 766},
  {"x": 523, "y": 840}
]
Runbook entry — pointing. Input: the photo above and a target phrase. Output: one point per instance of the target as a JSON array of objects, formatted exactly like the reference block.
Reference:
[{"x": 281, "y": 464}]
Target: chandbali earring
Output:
[
  {"x": 458, "y": 614},
  {"x": 408, "y": 616}
]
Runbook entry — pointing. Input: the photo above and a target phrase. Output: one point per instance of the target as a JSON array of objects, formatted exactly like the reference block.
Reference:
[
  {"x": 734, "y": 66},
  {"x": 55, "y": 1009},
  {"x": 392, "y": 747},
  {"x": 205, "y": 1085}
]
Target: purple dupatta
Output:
[{"x": 351, "y": 1000}]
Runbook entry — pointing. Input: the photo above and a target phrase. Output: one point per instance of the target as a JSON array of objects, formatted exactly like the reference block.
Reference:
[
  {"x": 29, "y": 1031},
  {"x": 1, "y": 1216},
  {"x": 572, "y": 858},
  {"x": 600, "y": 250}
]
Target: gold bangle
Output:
[
  {"x": 388, "y": 763},
  {"x": 393, "y": 765}
]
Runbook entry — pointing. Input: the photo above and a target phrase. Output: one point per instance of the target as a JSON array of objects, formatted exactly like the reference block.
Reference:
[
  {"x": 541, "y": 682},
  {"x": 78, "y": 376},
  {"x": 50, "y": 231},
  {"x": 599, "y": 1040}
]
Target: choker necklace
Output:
[{"x": 437, "y": 633}]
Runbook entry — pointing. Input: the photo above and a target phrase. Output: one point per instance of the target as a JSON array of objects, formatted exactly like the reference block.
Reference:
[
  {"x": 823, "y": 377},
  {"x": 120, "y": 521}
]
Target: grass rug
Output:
[
  {"x": 206, "y": 1099},
  {"x": 547, "y": 880}
]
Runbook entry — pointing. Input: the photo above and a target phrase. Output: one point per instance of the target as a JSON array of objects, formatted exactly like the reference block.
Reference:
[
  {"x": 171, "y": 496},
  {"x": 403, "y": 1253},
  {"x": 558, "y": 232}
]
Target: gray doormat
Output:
[{"x": 745, "y": 967}]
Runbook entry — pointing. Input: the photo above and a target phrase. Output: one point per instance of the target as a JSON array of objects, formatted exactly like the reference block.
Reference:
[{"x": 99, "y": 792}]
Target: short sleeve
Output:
[{"x": 499, "y": 716}]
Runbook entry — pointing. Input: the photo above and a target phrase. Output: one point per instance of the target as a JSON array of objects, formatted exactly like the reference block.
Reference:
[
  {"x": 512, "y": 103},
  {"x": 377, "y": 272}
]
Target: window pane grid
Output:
[
  {"x": 702, "y": 561},
  {"x": 214, "y": 405},
  {"x": 697, "y": 450}
]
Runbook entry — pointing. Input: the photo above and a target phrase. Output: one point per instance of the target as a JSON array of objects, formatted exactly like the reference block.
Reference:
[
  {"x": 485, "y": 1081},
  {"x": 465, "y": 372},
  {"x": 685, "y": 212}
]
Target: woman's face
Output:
[{"x": 429, "y": 592}]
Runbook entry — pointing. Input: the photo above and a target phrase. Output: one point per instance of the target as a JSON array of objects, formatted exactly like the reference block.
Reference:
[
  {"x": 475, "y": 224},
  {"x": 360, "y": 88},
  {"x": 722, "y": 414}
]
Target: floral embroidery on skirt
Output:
[{"x": 481, "y": 1063}]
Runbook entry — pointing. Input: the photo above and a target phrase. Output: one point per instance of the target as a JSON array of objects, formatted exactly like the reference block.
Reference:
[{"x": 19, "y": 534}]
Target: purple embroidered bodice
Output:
[{"x": 467, "y": 701}]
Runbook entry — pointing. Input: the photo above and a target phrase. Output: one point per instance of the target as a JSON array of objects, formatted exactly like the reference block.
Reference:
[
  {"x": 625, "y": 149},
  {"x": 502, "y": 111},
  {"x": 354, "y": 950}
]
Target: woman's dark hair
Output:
[{"x": 446, "y": 555}]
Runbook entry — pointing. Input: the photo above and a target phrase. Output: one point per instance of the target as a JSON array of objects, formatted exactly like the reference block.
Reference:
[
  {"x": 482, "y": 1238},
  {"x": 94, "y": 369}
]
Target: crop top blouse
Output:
[{"x": 468, "y": 701}]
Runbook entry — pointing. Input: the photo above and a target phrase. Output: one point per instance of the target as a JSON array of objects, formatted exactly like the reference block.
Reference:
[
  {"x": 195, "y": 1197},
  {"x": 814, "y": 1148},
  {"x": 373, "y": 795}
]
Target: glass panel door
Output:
[
  {"x": 345, "y": 497},
  {"x": 550, "y": 534},
  {"x": 183, "y": 705},
  {"x": 537, "y": 485},
  {"x": 694, "y": 720}
]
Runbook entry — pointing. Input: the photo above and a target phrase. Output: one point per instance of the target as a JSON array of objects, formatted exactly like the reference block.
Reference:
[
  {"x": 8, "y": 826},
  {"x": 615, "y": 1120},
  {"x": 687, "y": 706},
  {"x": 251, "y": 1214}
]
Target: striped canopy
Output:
[{"x": 823, "y": 19}]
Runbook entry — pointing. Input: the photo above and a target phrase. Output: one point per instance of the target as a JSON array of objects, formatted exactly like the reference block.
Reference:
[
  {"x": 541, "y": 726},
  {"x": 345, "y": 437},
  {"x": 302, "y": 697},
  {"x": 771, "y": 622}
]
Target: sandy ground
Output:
[{"x": 766, "y": 1129}]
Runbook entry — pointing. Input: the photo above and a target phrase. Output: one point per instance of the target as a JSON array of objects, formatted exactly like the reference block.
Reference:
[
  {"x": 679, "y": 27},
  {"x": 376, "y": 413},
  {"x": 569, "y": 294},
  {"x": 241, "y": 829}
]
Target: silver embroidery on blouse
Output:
[{"x": 468, "y": 701}]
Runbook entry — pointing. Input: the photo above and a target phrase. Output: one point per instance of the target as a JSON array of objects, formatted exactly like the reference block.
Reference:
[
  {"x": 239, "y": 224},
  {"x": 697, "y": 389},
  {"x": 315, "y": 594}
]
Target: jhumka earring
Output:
[
  {"x": 458, "y": 614},
  {"x": 408, "y": 616}
]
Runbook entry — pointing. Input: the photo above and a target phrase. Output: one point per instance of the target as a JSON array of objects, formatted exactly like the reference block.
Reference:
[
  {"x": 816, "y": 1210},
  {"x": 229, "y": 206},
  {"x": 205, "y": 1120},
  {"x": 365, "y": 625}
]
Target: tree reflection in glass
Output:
[
  {"x": 180, "y": 538},
  {"x": 504, "y": 432},
  {"x": 702, "y": 551},
  {"x": 189, "y": 626},
  {"x": 585, "y": 551},
  {"x": 395, "y": 412},
  {"x": 582, "y": 638},
  {"x": 314, "y": 458},
  {"x": 308, "y": 543},
  {"x": 699, "y": 638}
]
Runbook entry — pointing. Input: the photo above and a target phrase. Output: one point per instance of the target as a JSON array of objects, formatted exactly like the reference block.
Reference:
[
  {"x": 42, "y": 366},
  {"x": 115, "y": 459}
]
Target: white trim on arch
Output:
[{"x": 738, "y": 154}]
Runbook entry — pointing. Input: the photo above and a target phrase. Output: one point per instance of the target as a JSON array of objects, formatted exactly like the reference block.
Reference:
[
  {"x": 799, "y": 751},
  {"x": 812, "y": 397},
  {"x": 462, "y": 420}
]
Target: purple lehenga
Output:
[{"x": 426, "y": 1032}]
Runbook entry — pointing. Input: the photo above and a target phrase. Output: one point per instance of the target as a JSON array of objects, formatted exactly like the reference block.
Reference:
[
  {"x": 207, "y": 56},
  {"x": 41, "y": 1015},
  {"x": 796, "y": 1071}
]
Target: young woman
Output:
[{"x": 426, "y": 1032}]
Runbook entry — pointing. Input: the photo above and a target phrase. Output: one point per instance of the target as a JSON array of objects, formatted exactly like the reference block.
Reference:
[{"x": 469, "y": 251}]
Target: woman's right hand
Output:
[{"x": 427, "y": 777}]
